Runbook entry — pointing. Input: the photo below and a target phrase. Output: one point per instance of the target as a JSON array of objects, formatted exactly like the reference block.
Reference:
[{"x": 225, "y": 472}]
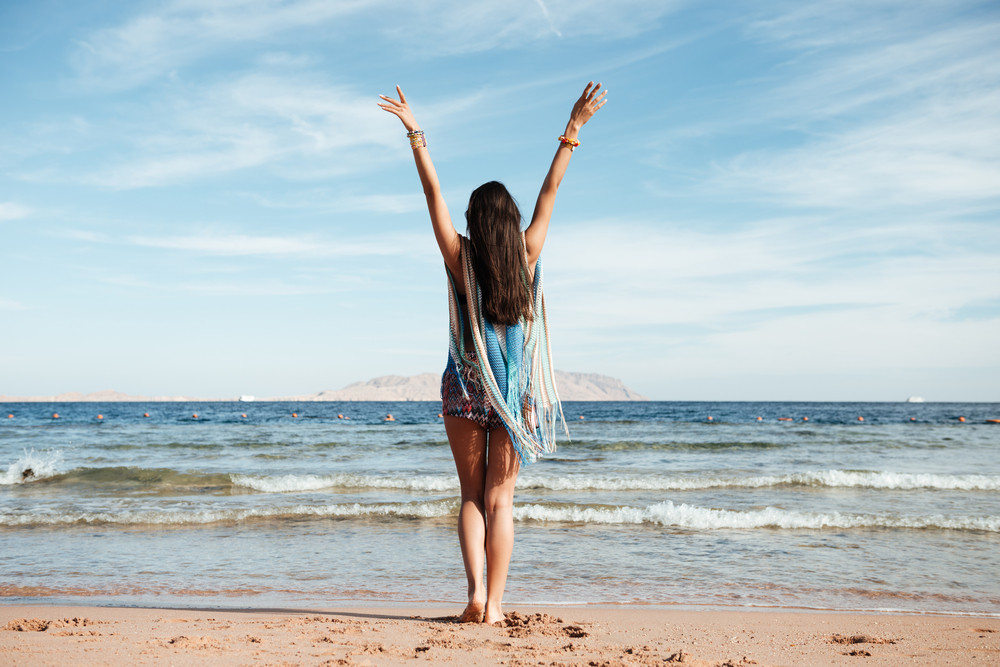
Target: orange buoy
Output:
[
  {"x": 913, "y": 419},
  {"x": 861, "y": 419},
  {"x": 145, "y": 414},
  {"x": 194, "y": 416},
  {"x": 805, "y": 419},
  {"x": 389, "y": 418},
  {"x": 55, "y": 415},
  {"x": 295, "y": 415},
  {"x": 784, "y": 419},
  {"x": 760, "y": 419},
  {"x": 100, "y": 416},
  {"x": 340, "y": 416},
  {"x": 440, "y": 416},
  {"x": 10, "y": 416},
  {"x": 710, "y": 418},
  {"x": 582, "y": 417},
  {"x": 961, "y": 419},
  {"x": 993, "y": 421},
  {"x": 244, "y": 415}
]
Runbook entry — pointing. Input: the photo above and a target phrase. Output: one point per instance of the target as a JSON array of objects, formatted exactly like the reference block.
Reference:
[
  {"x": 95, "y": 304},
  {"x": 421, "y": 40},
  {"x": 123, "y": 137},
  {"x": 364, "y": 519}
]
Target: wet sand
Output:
[{"x": 49, "y": 635}]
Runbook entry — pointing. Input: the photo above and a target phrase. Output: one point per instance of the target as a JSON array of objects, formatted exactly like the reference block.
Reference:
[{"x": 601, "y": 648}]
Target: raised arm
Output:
[
  {"x": 444, "y": 230},
  {"x": 584, "y": 109}
]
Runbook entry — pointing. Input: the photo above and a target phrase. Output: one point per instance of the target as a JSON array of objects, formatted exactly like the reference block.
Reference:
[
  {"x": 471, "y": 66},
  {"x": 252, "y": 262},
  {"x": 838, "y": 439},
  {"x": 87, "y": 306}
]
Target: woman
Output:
[{"x": 498, "y": 393}]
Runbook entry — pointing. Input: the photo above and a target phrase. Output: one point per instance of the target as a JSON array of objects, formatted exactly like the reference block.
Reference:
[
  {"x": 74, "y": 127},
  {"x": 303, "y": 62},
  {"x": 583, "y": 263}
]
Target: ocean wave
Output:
[
  {"x": 629, "y": 445},
  {"x": 191, "y": 517},
  {"x": 665, "y": 514},
  {"x": 816, "y": 478},
  {"x": 32, "y": 466},
  {"x": 46, "y": 467},
  {"x": 691, "y": 517},
  {"x": 445, "y": 483},
  {"x": 300, "y": 483}
]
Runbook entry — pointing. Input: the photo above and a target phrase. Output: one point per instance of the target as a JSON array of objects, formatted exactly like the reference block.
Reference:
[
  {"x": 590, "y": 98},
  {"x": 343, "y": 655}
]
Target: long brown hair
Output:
[{"x": 494, "y": 228}]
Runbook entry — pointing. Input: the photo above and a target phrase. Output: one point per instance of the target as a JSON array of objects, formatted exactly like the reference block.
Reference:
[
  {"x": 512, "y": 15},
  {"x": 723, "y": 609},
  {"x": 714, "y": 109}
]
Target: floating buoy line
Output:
[{"x": 390, "y": 418}]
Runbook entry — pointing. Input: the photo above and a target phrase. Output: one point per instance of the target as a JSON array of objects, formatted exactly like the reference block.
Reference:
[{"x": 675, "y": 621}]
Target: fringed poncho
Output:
[{"x": 515, "y": 362}]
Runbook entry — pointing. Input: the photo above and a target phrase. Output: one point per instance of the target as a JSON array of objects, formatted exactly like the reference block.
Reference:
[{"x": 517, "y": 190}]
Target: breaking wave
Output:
[
  {"x": 32, "y": 466},
  {"x": 665, "y": 514},
  {"x": 47, "y": 467},
  {"x": 819, "y": 478},
  {"x": 189, "y": 517},
  {"x": 703, "y": 518},
  {"x": 300, "y": 483}
]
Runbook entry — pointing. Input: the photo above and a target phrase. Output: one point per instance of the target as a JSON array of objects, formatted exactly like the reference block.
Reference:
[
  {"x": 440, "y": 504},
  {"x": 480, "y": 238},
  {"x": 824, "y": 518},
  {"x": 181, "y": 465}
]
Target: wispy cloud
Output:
[
  {"x": 449, "y": 27},
  {"x": 256, "y": 120},
  {"x": 10, "y": 304},
  {"x": 278, "y": 246},
  {"x": 775, "y": 290},
  {"x": 256, "y": 288},
  {"x": 548, "y": 17},
  {"x": 156, "y": 42},
  {"x": 13, "y": 211},
  {"x": 160, "y": 40},
  {"x": 319, "y": 200},
  {"x": 867, "y": 111},
  {"x": 942, "y": 156}
]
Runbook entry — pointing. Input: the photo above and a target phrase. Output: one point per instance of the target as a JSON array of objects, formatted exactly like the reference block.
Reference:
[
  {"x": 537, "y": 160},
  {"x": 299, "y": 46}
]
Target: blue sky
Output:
[{"x": 780, "y": 201}]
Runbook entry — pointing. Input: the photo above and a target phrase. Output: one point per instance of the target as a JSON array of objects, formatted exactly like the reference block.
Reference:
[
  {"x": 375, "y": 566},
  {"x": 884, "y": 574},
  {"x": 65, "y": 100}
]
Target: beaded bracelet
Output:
[
  {"x": 417, "y": 139},
  {"x": 569, "y": 143}
]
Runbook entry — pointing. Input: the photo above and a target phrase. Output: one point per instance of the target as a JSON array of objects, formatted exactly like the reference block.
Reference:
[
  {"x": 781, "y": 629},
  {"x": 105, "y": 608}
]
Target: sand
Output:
[{"x": 48, "y": 635}]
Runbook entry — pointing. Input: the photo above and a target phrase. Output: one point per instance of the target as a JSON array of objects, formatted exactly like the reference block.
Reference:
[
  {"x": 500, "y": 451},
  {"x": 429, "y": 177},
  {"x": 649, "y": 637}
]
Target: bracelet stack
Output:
[
  {"x": 571, "y": 144},
  {"x": 417, "y": 139}
]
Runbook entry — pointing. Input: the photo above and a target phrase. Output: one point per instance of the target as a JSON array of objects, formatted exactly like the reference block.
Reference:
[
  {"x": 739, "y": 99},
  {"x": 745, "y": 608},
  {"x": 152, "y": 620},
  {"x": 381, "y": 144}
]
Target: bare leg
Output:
[
  {"x": 468, "y": 446},
  {"x": 501, "y": 474}
]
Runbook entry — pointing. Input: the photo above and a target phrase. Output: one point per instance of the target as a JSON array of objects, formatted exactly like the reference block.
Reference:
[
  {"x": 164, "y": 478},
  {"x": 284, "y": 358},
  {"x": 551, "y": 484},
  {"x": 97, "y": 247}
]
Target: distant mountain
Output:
[
  {"x": 423, "y": 387},
  {"x": 427, "y": 387}
]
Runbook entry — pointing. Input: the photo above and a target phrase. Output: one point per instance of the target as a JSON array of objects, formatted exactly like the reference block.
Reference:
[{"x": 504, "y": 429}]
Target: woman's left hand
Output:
[
  {"x": 400, "y": 109},
  {"x": 585, "y": 108}
]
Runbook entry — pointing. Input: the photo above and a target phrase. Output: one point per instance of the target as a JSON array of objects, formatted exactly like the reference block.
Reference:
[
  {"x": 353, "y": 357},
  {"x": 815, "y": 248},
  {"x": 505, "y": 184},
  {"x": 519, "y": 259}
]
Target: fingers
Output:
[
  {"x": 599, "y": 101},
  {"x": 402, "y": 97},
  {"x": 396, "y": 111}
]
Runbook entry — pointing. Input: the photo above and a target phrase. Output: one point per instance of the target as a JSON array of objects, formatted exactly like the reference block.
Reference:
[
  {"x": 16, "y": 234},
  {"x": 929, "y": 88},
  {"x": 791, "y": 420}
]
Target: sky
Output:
[{"x": 779, "y": 201}]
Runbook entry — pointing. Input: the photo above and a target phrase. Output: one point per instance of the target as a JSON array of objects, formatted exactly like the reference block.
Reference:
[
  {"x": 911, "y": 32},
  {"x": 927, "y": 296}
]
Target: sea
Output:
[{"x": 835, "y": 506}]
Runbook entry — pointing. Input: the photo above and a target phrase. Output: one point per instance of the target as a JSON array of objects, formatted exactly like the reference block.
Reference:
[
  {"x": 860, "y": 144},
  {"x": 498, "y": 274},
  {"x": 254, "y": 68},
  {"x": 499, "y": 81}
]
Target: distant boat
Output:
[
  {"x": 915, "y": 399},
  {"x": 249, "y": 399}
]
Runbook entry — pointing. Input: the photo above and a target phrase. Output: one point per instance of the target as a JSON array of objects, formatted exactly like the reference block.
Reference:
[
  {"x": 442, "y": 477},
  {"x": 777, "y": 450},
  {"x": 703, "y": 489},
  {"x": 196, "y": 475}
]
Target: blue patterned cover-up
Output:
[{"x": 514, "y": 362}]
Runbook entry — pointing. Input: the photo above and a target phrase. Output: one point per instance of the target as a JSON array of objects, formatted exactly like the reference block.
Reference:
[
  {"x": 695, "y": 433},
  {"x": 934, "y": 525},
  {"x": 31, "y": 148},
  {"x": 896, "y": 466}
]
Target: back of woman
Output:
[{"x": 498, "y": 392}]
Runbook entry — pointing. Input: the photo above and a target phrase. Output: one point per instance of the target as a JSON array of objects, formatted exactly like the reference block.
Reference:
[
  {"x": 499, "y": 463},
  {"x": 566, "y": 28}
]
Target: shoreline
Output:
[
  {"x": 393, "y": 634},
  {"x": 446, "y": 606}
]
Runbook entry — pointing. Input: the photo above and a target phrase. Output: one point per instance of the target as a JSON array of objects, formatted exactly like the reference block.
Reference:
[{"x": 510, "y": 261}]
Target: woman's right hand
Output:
[
  {"x": 400, "y": 109},
  {"x": 585, "y": 108}
]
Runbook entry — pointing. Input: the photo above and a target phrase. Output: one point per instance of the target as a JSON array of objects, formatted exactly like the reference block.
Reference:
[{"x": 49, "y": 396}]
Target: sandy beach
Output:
[{"x": 49, "y": 635}]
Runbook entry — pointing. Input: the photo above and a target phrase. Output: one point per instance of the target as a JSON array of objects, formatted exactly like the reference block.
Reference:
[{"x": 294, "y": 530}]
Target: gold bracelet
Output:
[
  {"x": 569, "y": 143},
  {"x": 417, "y": 139}
]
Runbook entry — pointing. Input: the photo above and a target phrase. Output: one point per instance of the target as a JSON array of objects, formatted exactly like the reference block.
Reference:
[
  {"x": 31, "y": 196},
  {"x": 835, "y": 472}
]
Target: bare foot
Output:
[
  {"x": 473, "y": 613},
  {"x": 494, "y": 617}
]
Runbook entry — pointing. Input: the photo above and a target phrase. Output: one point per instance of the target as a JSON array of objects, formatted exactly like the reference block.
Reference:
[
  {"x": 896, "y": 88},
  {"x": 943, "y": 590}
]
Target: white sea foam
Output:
[
  {"x": 41, "y": 465},
  {"x": 704, "y": 518},
  {"x": 445, "y": 483},
  {"x": 666, "y": 514},
  {"x": 820, "y": 478},
  {"x": 426, "y": 510},
  {"x": 300, "y": 483}
]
